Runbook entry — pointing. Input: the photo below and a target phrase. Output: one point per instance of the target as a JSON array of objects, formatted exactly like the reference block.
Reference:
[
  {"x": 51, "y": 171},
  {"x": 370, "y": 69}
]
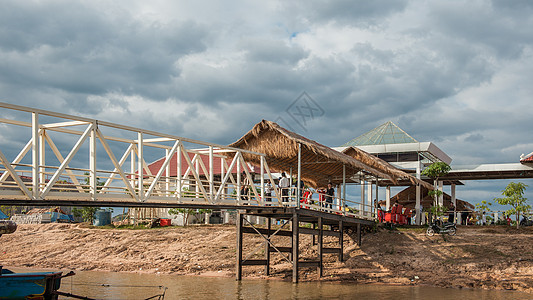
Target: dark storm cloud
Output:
[
  {"x": 481, "y": 25},
  {"x": 456, "y": 73},
  {"x": 81, "y": 50},
  {"x": 360, "y": 12}
]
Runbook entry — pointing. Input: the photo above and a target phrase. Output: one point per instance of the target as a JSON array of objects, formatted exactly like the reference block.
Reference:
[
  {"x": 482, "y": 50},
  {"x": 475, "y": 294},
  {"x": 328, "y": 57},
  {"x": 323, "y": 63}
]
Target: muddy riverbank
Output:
[{"x": 478, "y": 257}]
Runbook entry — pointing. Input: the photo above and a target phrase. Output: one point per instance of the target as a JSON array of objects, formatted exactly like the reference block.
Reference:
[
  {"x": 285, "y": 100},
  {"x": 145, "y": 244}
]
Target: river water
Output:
[{"x": 110, "y": 285}]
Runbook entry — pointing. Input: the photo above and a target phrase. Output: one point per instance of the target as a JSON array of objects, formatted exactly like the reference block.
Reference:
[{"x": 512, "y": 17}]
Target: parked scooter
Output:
[
  {"x": 526, "y": 221},
  {"x": 447, "y": 227}
]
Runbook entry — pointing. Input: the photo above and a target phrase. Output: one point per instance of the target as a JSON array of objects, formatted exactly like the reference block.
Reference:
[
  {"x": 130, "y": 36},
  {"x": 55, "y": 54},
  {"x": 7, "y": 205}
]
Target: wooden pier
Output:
[{"x": 294, "y": 216}]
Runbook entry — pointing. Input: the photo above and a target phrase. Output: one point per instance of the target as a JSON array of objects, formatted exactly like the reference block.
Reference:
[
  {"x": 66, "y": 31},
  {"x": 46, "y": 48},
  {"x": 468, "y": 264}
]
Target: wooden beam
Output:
[
  {"x": 295, "y": 247},
  {"x": 331, "y": 250},
  {"x": 320, "y": 247},
  {"x": 254, "y": 262},
  {"x": 281, "y": 249},
  {"x": 316, "y": 232},
  {"x": 306, "y": 264},
  {"x": 264, "y": 231},
  {"x": 267, "y": 248},
  {"x": 238, "y": 270},
  {"x": 341, "y": 240},
  {"x": 359, "y": 235}
]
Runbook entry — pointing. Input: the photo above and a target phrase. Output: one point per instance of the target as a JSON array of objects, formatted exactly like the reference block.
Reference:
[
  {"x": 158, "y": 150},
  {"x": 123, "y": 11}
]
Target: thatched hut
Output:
[
  {"x": 319, "y": 164},
  {"x": 407, "y": 198}
]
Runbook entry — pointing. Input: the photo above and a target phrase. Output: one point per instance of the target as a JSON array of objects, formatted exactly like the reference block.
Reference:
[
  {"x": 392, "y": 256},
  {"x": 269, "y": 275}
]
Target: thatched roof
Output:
[
  {"x": 407, "y": 198},
  {"x": 320, "y": 164},
  {"x": 380, "y": 164}
]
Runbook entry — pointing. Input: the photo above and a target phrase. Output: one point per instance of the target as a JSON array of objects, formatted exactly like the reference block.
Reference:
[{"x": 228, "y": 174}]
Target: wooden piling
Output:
[
  {"x": 238, "y": 271},
  {"x": 320, "y": 247},
  {"x": 341, "y": 240},
  {"x": 267, "y": 248},
  {"x": 295, "y": 246}
]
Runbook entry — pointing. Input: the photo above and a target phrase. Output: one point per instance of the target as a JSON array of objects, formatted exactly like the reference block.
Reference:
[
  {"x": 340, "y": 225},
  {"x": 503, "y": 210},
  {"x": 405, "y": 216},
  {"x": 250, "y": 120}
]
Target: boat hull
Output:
[{"x": 34, "y": 285}]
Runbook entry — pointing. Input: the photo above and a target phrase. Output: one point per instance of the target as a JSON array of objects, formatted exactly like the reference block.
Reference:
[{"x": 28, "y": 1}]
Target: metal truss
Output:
[{"x": 47, "y": 173}]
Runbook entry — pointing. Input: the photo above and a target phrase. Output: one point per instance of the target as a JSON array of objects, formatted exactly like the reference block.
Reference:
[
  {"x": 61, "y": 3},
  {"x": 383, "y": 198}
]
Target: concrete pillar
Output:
[
  {"x": 337, "y": 198},
  {"x": 454, "y": 201},
  {"x": 418, "y": 208},
  {"x": 387, "y": 198},
  {"x": 369, "y": 199},
  {"x": 362, "y": 208},
  {"x": 441, "y": 197}
]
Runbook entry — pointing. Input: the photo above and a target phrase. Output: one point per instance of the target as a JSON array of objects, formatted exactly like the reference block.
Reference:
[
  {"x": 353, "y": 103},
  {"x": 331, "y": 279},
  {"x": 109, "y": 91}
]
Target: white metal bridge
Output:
[{"x": 49, "y": 158}]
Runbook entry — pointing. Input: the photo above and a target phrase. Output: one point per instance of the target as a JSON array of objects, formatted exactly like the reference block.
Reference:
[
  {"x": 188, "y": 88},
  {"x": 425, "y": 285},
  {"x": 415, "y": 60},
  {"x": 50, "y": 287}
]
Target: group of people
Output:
[{"x": 326, "y": 195}]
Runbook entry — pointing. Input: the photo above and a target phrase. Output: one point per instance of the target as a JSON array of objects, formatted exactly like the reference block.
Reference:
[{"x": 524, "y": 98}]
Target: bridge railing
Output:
[
  {"x": 52, "y": 156},
  {"x": 65, "y": 157}
]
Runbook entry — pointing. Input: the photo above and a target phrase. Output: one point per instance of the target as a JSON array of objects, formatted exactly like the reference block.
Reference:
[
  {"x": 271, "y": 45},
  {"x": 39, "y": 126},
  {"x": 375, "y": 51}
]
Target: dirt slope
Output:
[{"x": 478, "y": 257}]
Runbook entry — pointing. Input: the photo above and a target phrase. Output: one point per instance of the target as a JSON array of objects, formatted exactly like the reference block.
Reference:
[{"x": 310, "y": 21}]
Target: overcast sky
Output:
[{"x": 457, "y": 73}]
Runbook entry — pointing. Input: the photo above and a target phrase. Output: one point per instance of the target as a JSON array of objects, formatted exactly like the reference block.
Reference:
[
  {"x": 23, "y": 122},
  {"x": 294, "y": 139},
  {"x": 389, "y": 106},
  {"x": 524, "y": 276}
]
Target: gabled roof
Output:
[
  {"x": 217, "y": 165},
  {"x": 407, "y": 198},
  {"x": 388, "y": 133},
  {"x": 527, "y": 159}
]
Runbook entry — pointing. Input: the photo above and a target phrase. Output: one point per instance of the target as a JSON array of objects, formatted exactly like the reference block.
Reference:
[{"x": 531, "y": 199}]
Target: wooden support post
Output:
[
  {"x": 295, "y": 247},
  {"x": 320, "y": 247},
  {"x": 314, "y": 238},
  {"x": 238, "y": 271},
  {"x": 267, "y": 248},
  {"x": 359, "y": 235},
  {"x": 341, "y": 239}
]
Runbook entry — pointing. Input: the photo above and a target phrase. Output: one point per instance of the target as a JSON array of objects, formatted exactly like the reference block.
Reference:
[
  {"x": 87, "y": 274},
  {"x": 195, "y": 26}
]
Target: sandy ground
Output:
[{"x": 478, "y": 257}]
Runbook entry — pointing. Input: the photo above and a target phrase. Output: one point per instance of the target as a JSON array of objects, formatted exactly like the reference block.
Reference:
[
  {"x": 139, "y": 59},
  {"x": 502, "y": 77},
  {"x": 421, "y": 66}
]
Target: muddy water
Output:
[{"x": 109, "y": 285}]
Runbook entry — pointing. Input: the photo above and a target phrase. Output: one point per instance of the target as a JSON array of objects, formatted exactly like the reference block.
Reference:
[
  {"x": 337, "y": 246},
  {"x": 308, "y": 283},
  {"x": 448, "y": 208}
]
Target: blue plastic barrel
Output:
[{"x": 102, "y": 218}]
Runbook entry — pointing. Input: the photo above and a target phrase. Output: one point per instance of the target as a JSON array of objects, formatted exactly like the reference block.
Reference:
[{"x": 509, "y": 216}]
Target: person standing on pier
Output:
[
  {"x": 245, "y": 187},
  {"x": 268, "y": 192},
  {"x": 284, "y": 186},
  {"x": 330, "y": 193}
]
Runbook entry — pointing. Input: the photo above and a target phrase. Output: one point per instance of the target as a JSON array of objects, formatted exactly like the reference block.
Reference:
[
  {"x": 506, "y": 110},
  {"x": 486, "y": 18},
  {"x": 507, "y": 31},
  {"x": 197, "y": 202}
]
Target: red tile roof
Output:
[
  {"x": 527, "y": 159},
  {"x": 155, "y": 166}
]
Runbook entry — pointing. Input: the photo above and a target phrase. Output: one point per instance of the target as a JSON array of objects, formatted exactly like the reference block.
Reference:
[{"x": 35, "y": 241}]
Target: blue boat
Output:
[{"x": 32, "y": 285}]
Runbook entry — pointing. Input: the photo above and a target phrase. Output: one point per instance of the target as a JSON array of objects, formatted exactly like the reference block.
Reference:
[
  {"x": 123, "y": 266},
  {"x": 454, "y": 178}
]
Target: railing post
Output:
[
  {"x": 140, "y": 166},
  {"x": 35, "y": 154},
  {"x": 298, "y": 187},
  {"x": 198, "y": 181},
  {"x": 262, "y": 172},
  {"x": 179, "y": 153},
  {"x": 167, "y": 173},
  {"x": 92, "y": 162},
  {"x": 42, "y": 156},
  {"x": 238, "y": 179},
  {"x": 343, "y": 189},
  {"x": 222, "y": 176},
  {"x": 211, "y": 175}
]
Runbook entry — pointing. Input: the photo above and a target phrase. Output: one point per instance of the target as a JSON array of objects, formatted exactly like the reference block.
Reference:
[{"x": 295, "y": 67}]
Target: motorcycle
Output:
[
  {"x": 526, "y": 221},
  {"x": 447, "y": 227}
]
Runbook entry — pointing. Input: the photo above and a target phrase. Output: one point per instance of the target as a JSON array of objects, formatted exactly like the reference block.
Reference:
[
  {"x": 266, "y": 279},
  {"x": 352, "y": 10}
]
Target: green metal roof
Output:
[{"x": 388, "y": 133}]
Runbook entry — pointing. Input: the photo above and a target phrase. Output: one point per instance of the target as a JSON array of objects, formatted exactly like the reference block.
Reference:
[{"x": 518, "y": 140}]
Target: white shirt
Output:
[{"x": 284, "y": 182}]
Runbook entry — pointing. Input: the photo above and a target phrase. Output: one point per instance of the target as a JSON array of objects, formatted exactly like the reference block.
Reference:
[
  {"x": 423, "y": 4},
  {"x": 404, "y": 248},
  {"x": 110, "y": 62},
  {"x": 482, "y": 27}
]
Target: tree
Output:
[
  {"x": 514, "y": 196},
  {"x": 185, "y": 211},
  {"x": 434, "y": 171},
  {"x": 87, "y": 213},
  {"x": 483, "y": 207}
]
